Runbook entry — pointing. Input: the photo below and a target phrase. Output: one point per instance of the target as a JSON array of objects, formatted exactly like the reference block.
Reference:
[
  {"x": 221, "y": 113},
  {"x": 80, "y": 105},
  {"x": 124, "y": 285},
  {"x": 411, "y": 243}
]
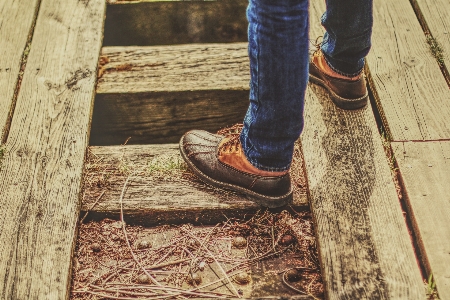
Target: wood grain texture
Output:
[
  {"x": 175, "y": 22},
  {"x": 13, "y": 39},
  {"x": 354, "y": 201},
  {"x": 436, "y": 17},
  {"x": 40, "y": 179},
  {"x": 160, "y": 190},
  {"x": 174, "y": 68},
  {"x": 409, "y": 88},
  {"x": 425, "y": 173},
  {"x": 355, "y": 205},
  {"x": 156, "y": 94}
]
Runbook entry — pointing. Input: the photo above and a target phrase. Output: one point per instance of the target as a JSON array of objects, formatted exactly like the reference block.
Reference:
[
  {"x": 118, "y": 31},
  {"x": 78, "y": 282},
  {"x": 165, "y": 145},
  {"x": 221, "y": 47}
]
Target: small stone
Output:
[
  {"x": 292, "y": 275},
  {"x": 201, "y": 265},
  {"x": 242, "y": 278},
  {"x": 95, "y": 247},
  {"x": 239, "y": 242},
  {"x": 194, "y": 279},
  {"x": 143, "y": 244},
  {"x": 287, "y": 240},
  {"x": 143, "y": 279}
]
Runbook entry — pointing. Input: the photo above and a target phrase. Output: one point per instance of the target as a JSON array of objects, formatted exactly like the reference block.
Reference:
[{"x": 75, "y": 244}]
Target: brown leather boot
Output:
[
  {"x": 346, "y": 92},
  {"x": 220, "y": 162}
]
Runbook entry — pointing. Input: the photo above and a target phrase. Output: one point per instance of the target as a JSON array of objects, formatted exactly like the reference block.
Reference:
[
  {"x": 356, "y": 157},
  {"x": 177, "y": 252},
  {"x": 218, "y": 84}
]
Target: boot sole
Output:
[
  {"x": 347, "y": 104},
  {"x": 263, "y": 200}
]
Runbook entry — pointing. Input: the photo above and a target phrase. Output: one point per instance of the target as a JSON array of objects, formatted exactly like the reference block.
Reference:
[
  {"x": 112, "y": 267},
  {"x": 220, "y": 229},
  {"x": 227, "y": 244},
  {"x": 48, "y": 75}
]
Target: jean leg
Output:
[
  {"x": 278, "y": 50},
  {"x": 347, "y": 40}
]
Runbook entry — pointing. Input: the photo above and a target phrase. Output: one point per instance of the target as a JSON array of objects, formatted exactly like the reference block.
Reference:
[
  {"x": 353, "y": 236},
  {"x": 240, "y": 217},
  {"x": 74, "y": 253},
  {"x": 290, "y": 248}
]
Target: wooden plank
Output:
[
  {"x": 174, "y": 68},
  {"x": 435, "y": 15},
  {"x": 364, "y": 246},
  {"x": 175, "y": 22},
  {"x": 425, "y": 173},
  {"x": 13, "y": 39},
  {"x": 409, "y": 88},
  {"x": 156, "y": 94},
  {"x": 160, "y": 189},
  {"x": 40, "y": 177}
]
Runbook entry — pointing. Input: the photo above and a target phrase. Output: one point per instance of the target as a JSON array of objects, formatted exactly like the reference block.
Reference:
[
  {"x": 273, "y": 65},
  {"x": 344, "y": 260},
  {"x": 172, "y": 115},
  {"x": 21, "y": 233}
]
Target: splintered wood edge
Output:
[{"x": 158, "y": 198}]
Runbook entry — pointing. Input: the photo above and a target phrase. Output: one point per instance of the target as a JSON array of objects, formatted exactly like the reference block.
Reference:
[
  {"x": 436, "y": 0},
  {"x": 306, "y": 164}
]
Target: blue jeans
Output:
[{"x": 278, "y": 44}]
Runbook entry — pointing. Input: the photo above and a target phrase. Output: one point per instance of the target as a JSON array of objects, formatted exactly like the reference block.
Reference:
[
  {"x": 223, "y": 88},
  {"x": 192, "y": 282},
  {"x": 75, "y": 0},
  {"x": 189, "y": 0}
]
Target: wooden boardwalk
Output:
[{"x": 53, "y": 66}]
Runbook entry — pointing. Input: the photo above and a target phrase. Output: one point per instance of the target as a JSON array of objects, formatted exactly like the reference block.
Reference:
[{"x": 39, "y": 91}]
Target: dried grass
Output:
[{"x": 105, "y": 267}]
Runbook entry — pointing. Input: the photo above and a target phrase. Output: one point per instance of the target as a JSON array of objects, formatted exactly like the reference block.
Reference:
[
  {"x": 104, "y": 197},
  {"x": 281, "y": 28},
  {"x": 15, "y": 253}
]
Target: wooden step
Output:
[
  {"x": 40, "y": 177},
  {"x": 160, "y": 190},
  {"x": 425, "y": 172},
  {"x": 156, "y": 94},
  {"x": 150, "y": 23}
]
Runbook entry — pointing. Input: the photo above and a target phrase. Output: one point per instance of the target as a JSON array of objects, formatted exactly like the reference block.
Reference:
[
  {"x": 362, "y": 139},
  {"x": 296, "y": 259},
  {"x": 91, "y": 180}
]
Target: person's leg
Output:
[
  {"x": 256, "y": 161},
  {"x": 338, "y": 64},
  {"x": 347, "y": 41},
  {"x": 278, "y": 51}
]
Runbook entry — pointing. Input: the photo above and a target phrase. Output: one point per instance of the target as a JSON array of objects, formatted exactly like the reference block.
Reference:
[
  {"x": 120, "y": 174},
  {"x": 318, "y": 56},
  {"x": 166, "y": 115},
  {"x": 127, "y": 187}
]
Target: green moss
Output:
[
  {"x": 436, "y": 49},
  {"x": 2, "y": 155}
]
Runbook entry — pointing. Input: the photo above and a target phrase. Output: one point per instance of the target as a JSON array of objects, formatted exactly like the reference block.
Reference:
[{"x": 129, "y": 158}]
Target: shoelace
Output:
[
  {"x": 235, "y": 129},
  {"x": 317, "y": 43},
  {"x": 232, "y": 145}
]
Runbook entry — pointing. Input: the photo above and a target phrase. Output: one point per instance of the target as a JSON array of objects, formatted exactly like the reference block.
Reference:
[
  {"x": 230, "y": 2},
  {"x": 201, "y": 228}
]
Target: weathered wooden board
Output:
[
  {"x": 175, "y": 22},
  {"x": 156, "y": 94},
  {"x": 365, "y": 249},
  {"x": 13, "y": 39},
  {"x": 408, "y": 86},
  {"x": 436, "y": 16},
  {"x": 40, "y": 178},
  {"x": 425, "y": 172},
  {"x": 160, "y": 190}
]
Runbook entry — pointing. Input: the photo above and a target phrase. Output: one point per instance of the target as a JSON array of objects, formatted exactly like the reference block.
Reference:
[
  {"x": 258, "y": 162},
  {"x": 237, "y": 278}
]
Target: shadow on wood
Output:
[
  {"x": 155, "y": 94},
  {"x": 175, "y": 22},
  {"x": 159, "y": 117}
]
